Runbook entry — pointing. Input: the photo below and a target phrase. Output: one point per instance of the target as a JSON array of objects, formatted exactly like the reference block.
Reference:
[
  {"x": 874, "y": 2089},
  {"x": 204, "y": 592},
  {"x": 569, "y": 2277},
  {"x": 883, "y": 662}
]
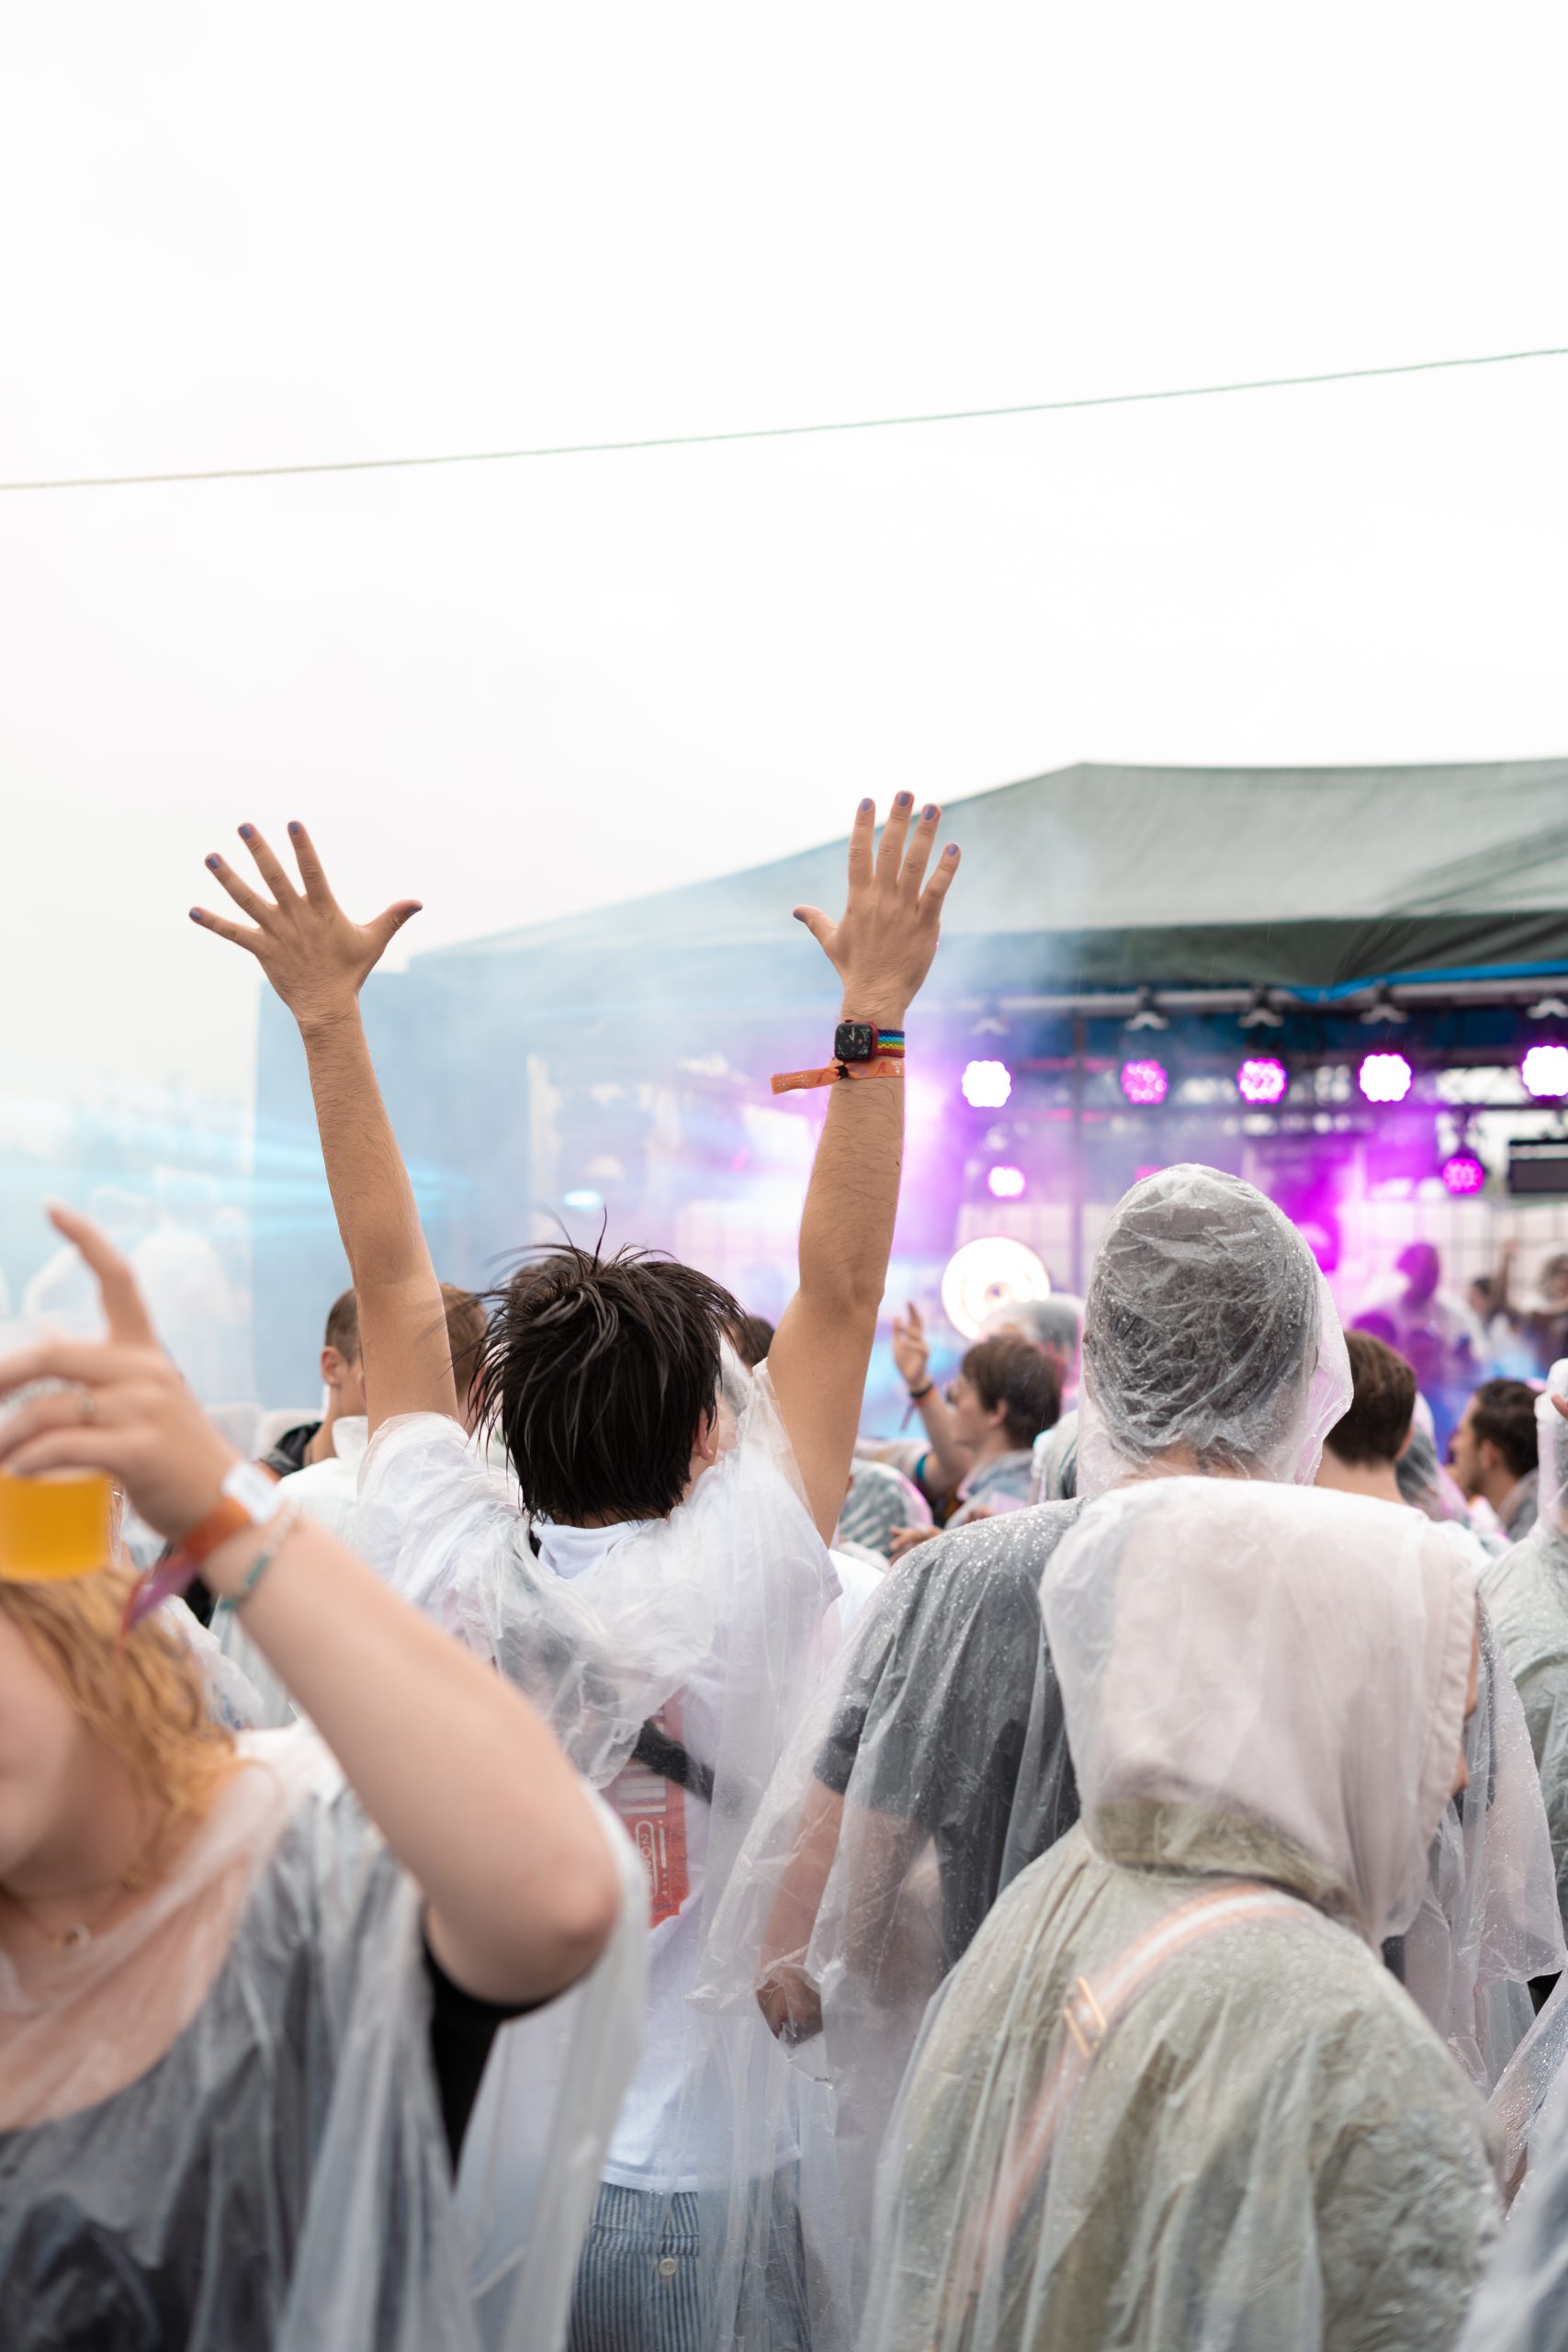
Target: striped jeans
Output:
[{"x": 640, "y": 2280}]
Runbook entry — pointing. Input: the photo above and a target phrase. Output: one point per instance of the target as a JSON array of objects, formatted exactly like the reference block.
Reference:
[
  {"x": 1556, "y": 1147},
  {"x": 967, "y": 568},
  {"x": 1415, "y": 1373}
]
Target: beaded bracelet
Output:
[{"x": 279, "y": 1534}]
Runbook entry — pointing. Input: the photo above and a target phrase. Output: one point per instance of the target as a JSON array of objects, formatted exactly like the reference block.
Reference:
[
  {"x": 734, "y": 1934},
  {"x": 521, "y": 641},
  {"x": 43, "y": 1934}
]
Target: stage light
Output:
[
  {"x": 1005, "y": 1183},
  {"x": 1545, "y": 1072},
  {"x": 986, "y": 1085},
  {"x": 1462, "y": 1172},
  {"x": 1144, "y": 1081},
  {"x": 585, "y": 1200},
  {"x": 1384, "y": 1077},
  {"x": 984, "y": 1274},
  {"x": 1262, "y": 1077}
]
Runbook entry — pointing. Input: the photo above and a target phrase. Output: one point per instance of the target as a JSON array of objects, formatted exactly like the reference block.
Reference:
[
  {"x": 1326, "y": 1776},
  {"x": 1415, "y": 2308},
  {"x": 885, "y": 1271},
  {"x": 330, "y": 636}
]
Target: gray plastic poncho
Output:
[
  {"x": 934, "y": 1765},
  {"x": 218, "y": 2121},
  {"x": 1264, "y": 2144},
  {"x": 673, "y": 1667}
]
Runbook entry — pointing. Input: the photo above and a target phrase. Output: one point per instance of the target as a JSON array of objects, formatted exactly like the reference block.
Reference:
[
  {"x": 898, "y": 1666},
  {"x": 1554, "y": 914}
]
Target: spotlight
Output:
[
  {"x": 986, "y": 1085},
  {"x": 1262, "y": 1077},
  {"x": 1464, "y": 1172},
  {"x": 1384, "y": 1077},
  {"x": 993, "y": 1271},
  {"x": 1005, "y": 1183},
  {"x": 1545, "y": 1072},
  {"x": 1144, "y": 1081}
]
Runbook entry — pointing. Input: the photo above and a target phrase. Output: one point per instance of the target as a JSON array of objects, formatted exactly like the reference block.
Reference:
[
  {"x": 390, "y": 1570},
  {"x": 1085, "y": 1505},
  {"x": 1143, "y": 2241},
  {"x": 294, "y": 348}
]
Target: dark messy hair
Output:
[
  {"x": 1381, "y": 1402},
  {"x": 1504, "y": 1412},
  {"x": 1021, "y": 1378},
  {"x": 599, "y": 1372}
]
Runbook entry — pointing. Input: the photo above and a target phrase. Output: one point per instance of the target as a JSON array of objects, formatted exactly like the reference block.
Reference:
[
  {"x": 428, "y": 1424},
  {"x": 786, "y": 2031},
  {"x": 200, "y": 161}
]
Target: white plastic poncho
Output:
[
  {"x": 1526, "y": 1591},
  {"x": 218, "y": 2121},
  {"x": 1269, "y": 2147},
  {"x": 1522, "y": 2304},
  {"x": 934, "y": 1765},
  {"x": 715, "y": 1623}
]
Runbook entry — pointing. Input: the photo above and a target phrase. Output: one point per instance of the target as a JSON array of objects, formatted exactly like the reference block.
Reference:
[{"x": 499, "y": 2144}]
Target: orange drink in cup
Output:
[{"x": 58, "y": 1524}]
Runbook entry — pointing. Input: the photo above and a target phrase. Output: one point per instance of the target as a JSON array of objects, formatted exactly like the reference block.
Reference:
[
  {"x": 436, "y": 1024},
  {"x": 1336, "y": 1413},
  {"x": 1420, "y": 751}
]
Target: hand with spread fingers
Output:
[
  {"x": 126, "y": 1412},
  {"x": 882, "y": 943},
  {"x": 317, "y": 958}
]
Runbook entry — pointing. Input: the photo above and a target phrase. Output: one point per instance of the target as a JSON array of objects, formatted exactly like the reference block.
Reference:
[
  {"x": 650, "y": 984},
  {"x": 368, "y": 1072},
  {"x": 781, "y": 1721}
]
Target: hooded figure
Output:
[
  {"x": 1171, "y": 2097},
  {"x": 1526, "y": 1592},
  {"x": 933, "y": 1765}
]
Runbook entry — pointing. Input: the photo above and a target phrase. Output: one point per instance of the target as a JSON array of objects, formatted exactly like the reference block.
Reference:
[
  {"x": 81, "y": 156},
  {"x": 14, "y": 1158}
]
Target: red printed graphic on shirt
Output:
[{"x": 654, "y": 1812}]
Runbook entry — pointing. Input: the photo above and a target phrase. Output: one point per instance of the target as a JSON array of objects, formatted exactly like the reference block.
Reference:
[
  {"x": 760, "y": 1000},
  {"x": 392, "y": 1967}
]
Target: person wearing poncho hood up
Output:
[
  {"x": 249, "y": 1987},
  {"x": 937, "y": 1766},
  {"x": 1171, "y": 2097},
  {"x": 671, "y": 1600}
]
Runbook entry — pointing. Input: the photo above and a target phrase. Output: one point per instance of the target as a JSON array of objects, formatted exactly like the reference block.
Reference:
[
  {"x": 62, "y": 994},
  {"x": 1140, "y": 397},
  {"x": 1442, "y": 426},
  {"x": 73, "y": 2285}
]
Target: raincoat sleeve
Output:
[{"x": 1522, "y": 2305}]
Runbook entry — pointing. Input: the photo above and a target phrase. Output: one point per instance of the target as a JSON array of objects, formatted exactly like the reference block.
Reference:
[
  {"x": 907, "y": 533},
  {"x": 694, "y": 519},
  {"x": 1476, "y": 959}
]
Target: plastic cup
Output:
[{"x": 56, "y": 1525}]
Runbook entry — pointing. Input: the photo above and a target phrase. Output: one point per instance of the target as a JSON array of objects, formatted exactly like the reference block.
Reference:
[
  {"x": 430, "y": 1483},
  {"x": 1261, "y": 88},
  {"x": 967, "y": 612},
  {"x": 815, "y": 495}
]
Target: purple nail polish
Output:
[
  {"x": 295, "y": 826},
  {"x": 865, "y": 807},
  {"x": 906, "y": 801},
  {"x": 951, "y": 850},
  {"x": 214, "y": 861},
  {"x": 929, "y": 812},
  {"x": 245, "y": 831},
  {"x": 196, "y": 914}
]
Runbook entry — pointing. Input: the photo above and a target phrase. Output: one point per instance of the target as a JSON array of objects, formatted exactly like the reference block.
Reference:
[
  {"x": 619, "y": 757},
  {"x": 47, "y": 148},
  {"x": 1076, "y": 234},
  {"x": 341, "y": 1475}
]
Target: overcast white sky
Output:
[{"x": 242, "y": 236}]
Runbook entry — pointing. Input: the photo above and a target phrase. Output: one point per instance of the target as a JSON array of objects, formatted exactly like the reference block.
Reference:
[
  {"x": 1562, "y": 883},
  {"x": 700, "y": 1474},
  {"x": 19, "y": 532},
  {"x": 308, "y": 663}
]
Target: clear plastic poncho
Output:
[
  {"x": 1264, "y": 2144},
  {"x": 218, "y": 2121},
  {"x": 934, "y": 1765},
  {"x": 1208, "y": 1325},
  {"x": 1526, "y": 1591},
  {"x": 712, "y": 1624},
  {"x": 1522, "y": 2305}
]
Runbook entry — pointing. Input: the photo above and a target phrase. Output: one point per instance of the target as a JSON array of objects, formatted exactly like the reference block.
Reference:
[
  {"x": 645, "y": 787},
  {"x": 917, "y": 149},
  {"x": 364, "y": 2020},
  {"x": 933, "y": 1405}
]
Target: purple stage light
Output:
[
  {"x": 1005, "y": 1183},
  {"x": 986, "y": 1085},
  {"x": 1545, "y": 1072},
  {"x": 1384, "y": 1077},
  {"x": 1144, "y": 1081},
  {"x": 1262, "y": 1077},
  {"x": 1462, "y": 1172}
]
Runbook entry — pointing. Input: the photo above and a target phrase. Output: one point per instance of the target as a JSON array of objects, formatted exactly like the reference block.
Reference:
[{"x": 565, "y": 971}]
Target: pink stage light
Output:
[
  {"x": 1262, "y": 1077},
  {"x": 1384, "y": 1077},
  {"x": 1145, "y": 1081},
  {"x": 986, "y": 1085},
  {"x": 1545, "y": 1072},
  {"x": 1005, "y": 1183},
  {"x": 1462, "y": 1172}
]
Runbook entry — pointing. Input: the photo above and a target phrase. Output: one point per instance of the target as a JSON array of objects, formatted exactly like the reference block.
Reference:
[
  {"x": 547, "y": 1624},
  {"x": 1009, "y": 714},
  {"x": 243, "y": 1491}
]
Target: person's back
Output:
[
  {"x": 1170, "y": 2098},
  {"x": 1525, "y": 1593}
]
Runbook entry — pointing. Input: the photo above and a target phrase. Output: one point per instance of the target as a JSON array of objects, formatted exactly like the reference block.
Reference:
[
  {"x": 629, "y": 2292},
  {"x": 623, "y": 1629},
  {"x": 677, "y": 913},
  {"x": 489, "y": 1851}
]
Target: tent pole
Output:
[{"x": 1077, "y": 1181}]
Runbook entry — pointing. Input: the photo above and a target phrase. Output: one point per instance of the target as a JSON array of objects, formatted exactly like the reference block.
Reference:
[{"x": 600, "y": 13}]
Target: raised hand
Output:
[
  {"x": 317, "y": 959},
  {"x": 911, "y": 1349},
  {"x": 882, "y": 943}
]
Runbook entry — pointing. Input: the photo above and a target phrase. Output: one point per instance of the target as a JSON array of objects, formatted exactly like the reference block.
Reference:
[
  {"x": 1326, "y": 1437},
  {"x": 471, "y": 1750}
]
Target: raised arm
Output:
[
  {"x": 318, "y": 960},
  {"x": 881, "y": 948},
  {"x": 952, "y": 1459},
  {"x": 462, "y": 1778}
]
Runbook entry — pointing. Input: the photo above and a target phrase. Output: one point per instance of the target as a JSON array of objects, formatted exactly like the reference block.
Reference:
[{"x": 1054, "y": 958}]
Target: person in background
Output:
[
  {"x": 750, "y": 1336},
  {"x": 342, "y": 1375},
  {"x": 1055, "y": 1325},
  {"x": 880, "y": 1504},
  {"x": 1433, "y": 1330},
  {"x": 1525, "y": 1596},
  {"x": 1170, "y": 2098},
  {"x": 1493, "y": 1454},
  {"x": 1542, "y": 1328},
  {"x": 1360, "y": 1453},
  {"x": 1005, "y": 1392}
]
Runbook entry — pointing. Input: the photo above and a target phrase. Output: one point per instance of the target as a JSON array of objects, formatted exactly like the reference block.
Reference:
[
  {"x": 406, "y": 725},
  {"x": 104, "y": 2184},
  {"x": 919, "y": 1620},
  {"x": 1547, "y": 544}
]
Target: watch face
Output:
[{"x": 854, "y": 1041}]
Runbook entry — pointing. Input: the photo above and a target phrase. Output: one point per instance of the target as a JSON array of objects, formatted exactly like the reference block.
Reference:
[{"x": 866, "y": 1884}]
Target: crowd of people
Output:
[{"x": 579, "y": 1846}]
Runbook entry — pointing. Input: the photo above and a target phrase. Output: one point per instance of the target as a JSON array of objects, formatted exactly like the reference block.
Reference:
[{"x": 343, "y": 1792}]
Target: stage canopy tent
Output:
[{"x": 1102, "y": 878}]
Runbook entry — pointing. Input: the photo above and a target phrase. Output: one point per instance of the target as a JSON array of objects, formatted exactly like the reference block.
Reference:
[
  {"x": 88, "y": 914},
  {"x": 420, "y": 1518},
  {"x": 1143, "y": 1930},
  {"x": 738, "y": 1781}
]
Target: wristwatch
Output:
[{"x": 860, "y": 1049}]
